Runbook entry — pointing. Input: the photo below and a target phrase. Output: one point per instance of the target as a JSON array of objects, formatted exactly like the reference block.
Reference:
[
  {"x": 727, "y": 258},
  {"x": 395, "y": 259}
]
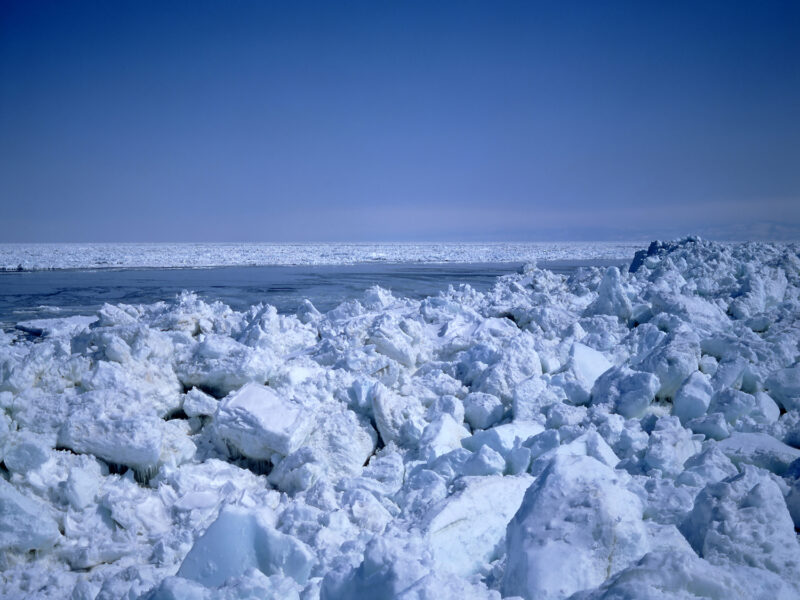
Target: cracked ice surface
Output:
[{"x": 603, "y": 435}]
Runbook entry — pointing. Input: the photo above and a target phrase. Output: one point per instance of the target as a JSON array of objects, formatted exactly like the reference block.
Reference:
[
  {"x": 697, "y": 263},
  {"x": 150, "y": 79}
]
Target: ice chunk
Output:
[
  {"x": 482, "y": 410},
  {"x": 338, "y": 447},
  {"x": 82, "y": 484},
  {"x": 587, "y": 364},
  {"x": 692, "y": 398},
  {"x": 399, "y": 567},
  {"x": 677, "y": 357},
  {"x": 759, "y": 449},
  {"x": 744, "y": 520},
  {"x": 735, "y": 404},
  {"x": 133, "y": 442},
  {"x": 242, "y": 539},
  {"x": 630, "y": 392},
  {"x": 501, "y": 438},
  {"x": 25, "y": 451},
  {"x": 222, "y": 364},
  {"x": 441, "y": 436},
  {"x": 611, "y": 297},
  {"x": 389, "y": 339},
  {"x": 709, "y": 466},
  {"x": 257, "y": 422},
  {"x": 485, "y": 462},
  {"x": 712, "y": 426},
  {"x": 577, "y": 526},
  {"x": 176, "y": 445},
  {"x": 344, "y": 441},
  {"x": 62, "y": 326},
  {"x": 466, "y": 528},
  {"x": 681, "y": 575},
  {"x": 198, "y": 403},
  {"x": 397, "y": 418},
  {"x": 531, "y": 396},
  {"x": 590, "y": 444},
  {"x": 25, "y": 524},
  {"x": 446, "y": 404},
  {"x": 670, "y": 446},
  {"x": 307, "y": 312},
  {"x": 389, "y": 567},
  {"x": 177, "y": 588},
  {"x": 784, "y": 387}
]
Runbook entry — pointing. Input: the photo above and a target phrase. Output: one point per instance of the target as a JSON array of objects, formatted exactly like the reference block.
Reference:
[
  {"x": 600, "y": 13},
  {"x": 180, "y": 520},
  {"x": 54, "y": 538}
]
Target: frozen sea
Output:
[{"x": 64, "y": 292}]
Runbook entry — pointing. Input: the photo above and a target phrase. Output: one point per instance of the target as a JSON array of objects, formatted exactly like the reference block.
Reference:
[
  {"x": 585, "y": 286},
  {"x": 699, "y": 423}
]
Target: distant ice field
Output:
[
  {"x": 35, "y": 257},
  {"x": 61, "y": 293}
]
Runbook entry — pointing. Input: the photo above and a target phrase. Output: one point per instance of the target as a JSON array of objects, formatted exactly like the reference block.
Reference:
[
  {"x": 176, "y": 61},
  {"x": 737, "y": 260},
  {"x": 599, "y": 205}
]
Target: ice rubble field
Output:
[
  {"x": 37, "y": 257},
  {"x": 607, "y": 435}
]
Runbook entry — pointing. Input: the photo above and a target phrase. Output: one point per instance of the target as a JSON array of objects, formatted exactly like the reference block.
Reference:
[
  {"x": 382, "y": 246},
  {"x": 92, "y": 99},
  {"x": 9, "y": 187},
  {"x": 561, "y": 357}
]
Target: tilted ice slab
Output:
[
  {"x": 616, "y": 433},
  {"x": 34, "y": 257}
]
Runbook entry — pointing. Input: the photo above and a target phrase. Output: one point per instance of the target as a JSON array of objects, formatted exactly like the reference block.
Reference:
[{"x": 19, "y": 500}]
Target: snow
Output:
[{"x": 608, "y": 434}]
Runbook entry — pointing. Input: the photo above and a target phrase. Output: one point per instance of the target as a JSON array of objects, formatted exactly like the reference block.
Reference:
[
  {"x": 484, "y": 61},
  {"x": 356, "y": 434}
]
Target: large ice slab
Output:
[
  {"x": 25, "y": 524},
  {"x": 129, "y": 441},
  {"x": 466, "y": 529},
  {"x": 240, "y": 540},
  {"x": 577, "y": 526},
  {"x": 744, "y": 520},
  {"x": 258, "y": 423}
]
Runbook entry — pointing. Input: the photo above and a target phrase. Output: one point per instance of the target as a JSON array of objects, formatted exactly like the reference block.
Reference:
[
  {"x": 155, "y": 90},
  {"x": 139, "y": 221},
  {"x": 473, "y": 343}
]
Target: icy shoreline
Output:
[
  {"x": 603, "y": 435},
  {"x": 39, "y": 257}
]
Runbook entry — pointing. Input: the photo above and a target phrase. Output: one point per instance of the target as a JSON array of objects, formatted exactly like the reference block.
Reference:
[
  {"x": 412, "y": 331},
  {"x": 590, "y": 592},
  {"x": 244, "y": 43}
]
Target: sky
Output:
[{"x": 398, "y": 121}]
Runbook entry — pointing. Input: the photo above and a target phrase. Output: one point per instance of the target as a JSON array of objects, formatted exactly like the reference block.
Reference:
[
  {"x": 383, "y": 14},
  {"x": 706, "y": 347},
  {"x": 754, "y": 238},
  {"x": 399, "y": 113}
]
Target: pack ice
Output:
[{"x": 626, "y": 435}]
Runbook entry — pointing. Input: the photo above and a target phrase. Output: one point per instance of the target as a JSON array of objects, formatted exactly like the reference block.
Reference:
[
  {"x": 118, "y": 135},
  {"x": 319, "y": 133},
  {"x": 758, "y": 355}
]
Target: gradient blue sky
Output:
[{"x": 304, "y": 121}]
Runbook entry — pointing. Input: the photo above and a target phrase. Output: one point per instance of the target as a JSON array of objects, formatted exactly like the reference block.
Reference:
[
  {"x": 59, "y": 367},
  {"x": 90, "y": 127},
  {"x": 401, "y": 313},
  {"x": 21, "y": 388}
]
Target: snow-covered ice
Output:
[{"x": 625, "y": 434}]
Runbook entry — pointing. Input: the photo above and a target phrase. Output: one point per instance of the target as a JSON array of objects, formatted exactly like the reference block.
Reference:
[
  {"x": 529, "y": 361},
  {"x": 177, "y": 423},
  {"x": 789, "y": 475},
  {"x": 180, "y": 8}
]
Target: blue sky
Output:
[{"x": 333, "y": 121}]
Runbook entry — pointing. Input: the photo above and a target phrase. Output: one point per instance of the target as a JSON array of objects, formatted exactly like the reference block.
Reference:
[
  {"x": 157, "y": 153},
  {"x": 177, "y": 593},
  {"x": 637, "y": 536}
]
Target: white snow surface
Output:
[
  {"x": 37, "y": 257},
  {"x": 626, "y": 435}
]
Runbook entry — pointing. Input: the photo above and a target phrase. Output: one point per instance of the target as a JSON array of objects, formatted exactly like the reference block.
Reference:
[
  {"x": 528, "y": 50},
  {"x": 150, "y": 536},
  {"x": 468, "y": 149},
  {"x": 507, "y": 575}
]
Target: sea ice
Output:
[{"x": 608, "y": 434}]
